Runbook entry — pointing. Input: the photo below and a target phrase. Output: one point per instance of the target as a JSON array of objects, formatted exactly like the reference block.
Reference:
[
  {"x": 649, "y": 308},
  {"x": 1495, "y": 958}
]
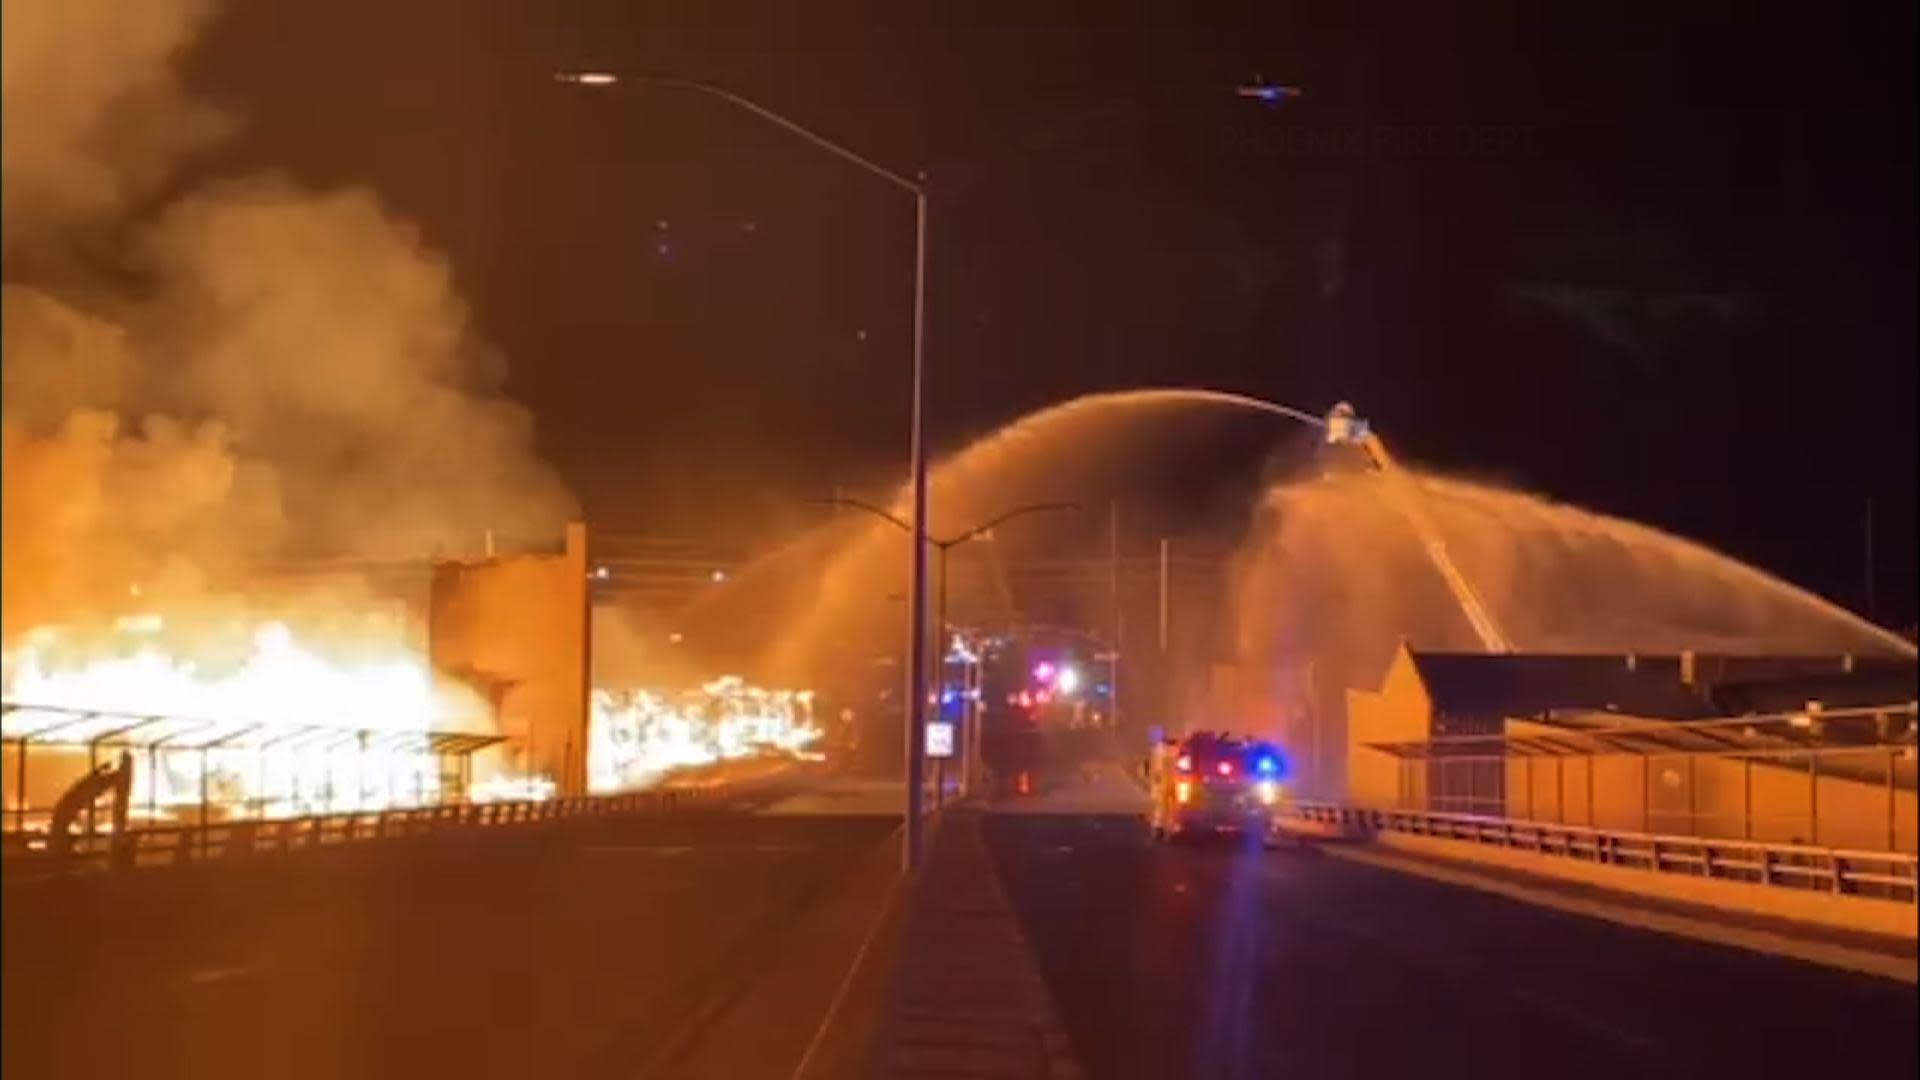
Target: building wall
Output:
[
  {"x": 1760, "y": 799},
  {"x": 1600, "y": 792},
  {"x": 519, "y": 626},
  {"x": 1399, "y": 711}
]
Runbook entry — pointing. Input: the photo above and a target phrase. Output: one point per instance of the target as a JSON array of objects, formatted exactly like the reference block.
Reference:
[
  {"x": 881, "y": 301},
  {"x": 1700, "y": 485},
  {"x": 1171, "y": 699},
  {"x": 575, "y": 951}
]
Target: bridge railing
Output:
[
  {"x": 1882, "y": 874},
  {"x": 176, "y": 845}
]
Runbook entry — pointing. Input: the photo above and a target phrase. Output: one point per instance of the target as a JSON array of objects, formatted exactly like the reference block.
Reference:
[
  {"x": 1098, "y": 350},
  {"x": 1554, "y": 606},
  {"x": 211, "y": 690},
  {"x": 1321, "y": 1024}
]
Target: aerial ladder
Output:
[{"x": 1344, "y": 428}]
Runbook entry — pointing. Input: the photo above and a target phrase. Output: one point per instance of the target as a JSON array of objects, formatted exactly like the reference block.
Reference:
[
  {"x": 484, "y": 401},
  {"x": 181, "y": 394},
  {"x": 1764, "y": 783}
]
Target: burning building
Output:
[
  {"x": 204, "y": 381},
  {"x": 519, "y": 628}
]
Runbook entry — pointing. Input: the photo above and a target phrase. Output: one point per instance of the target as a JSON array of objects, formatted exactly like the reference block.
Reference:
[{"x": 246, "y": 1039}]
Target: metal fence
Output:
[
  {"x": 1881, "y": 874},
  {"x": 189, "y": 844},
  {"x": 1841, "y": 777}
]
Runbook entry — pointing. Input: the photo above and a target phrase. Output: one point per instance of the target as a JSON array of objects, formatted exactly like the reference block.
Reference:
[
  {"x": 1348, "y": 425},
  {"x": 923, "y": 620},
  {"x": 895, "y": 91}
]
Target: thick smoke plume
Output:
[
  {"x": 95, "y": 112},
  {"x": 269, "y": 370}
]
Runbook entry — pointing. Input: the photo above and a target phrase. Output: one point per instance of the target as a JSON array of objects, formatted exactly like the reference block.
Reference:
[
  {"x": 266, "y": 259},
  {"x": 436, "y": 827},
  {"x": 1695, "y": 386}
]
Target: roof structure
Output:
[
  {"x": 1494, "y": 685},
  {"x": 1890, "y": 727},
  {"x": 1832, "y": 689},
  {"x": 55, "y": 726},
  {"x": 1498, "y": 685}
]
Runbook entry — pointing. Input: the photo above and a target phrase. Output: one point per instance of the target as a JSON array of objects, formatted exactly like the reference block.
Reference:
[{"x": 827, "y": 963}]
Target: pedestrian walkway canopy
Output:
[
  {"x": 1588, "y": 734},
  {"x": 90, "y": 729}
]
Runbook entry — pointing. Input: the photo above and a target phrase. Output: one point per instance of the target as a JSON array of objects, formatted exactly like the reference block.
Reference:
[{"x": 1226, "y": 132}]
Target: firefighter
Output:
[{"x": 1159, "y": 786}]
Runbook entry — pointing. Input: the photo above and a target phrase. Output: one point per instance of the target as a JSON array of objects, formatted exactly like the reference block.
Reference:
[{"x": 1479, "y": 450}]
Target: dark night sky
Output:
[{"x": 1656, "y": 260}]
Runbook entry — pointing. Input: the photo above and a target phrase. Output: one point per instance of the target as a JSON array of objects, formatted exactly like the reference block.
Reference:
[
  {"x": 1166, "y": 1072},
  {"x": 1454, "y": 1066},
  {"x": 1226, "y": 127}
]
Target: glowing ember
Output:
[
  {"x": 507, "y": 788},
  {"x": 638, "y": 736},
  {"x": 261, "y": 722}
]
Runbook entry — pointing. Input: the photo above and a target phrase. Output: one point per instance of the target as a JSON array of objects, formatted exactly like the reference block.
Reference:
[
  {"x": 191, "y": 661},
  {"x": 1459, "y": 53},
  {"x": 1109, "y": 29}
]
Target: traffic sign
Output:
[{"x": 939, "y": 739}]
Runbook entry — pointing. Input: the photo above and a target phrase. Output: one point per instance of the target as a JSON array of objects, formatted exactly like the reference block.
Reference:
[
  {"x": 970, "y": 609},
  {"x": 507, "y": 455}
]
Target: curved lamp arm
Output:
[
  {"x": 613, "y": 78},
  {"x": 869, "y": 508},
  {"x": 1021, "y": 511}
]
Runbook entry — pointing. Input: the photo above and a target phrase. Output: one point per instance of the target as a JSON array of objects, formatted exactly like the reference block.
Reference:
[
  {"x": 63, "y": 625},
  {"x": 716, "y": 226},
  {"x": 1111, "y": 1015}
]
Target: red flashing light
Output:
[
  {"x": 1183, "y": 763},
  {"x": 1226, "y": 768}
]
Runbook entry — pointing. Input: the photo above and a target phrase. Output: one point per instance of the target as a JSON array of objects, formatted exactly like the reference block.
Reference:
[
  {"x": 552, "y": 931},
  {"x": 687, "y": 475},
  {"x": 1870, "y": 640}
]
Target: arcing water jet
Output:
[{"x": 1049, "y": 455}]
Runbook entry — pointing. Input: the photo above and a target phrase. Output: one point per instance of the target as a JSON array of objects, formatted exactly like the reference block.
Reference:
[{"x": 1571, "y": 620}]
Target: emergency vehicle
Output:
[{"x": 1215, "y": 783}]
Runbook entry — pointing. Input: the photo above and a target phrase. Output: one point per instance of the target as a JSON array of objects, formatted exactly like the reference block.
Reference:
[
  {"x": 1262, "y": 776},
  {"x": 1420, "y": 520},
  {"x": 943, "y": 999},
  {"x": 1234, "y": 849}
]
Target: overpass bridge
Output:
[{"x": 761, "y": 929}]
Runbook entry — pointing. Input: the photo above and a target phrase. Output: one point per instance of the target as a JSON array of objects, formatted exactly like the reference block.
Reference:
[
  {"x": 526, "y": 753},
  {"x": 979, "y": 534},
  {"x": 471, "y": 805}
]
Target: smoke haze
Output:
[{"x": 265, "y": 370}]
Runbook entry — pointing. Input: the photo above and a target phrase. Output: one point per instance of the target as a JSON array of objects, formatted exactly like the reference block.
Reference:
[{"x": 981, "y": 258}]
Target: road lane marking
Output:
[
  {"x": 1580, "y": 1018},
  {"x": 1431, "y": 959},
  {"x": 853, "y": 969},
  {"x": 1899, "y": 968},
  {"x": 216, "y": 974},
  {"x": 648, "y": 849}
]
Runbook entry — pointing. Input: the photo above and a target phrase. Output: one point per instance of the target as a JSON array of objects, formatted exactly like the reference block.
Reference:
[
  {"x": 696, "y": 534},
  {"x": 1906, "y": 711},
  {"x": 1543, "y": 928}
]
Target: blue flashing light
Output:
[
  {"x": 1271, "y": 95},
  {"x": 1268, "y": 93}
]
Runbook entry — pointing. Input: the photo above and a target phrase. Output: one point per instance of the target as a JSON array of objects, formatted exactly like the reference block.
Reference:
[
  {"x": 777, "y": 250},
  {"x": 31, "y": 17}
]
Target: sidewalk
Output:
[
  {"x": 966, "y": 998},
  {"x": 1868, "y": 954}
]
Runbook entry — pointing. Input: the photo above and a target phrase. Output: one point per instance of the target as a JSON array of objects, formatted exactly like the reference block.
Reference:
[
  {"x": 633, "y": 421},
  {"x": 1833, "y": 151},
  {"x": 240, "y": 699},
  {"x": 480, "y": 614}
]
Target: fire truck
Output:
[{"x": 1215, "y": 783}]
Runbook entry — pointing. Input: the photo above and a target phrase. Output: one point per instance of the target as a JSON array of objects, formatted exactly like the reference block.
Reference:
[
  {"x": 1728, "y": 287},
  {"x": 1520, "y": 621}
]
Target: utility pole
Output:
[
  {"x": 1869, "y": 567},
  {"x": 1166, "y": 696},
  {"x": 1163, "y": 595},
  {"x": 1113, "y": 602}
]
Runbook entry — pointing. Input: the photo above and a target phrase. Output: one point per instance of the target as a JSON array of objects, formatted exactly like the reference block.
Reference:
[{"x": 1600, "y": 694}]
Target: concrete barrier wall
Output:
[{"x": 1859, "y": 913}]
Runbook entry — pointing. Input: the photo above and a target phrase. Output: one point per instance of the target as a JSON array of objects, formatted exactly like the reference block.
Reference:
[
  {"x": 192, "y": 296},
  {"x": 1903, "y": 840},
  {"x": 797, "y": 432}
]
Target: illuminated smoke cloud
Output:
[
  {"x": 95, "y": 112},
  {"x": 269, "y": 369}
]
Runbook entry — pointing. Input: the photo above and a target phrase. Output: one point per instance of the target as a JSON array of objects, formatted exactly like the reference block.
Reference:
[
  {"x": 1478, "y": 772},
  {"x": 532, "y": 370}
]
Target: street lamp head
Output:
[
  {"x": 586, "y": 78},
  {"x": 1265, "y": 92}
]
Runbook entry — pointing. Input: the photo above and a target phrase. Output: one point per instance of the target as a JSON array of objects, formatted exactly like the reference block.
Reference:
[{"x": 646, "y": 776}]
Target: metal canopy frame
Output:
[
  {"x": 1874, "y": 744},
  {"x": 56, "y": 727},
  {"x": 68, "y": 729}
]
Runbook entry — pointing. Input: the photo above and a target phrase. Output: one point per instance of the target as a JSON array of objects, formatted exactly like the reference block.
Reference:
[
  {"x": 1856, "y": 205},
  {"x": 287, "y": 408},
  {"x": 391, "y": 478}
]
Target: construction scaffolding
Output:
[{"x": 196, "y": 770}]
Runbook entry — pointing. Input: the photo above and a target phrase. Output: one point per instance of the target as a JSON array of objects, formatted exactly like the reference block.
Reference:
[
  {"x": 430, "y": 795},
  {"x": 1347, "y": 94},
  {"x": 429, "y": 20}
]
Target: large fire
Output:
[
  {"x": 639, "y": 736},
  {"x": 252, "y": 719},
  {"x": 263, "y": 721}
]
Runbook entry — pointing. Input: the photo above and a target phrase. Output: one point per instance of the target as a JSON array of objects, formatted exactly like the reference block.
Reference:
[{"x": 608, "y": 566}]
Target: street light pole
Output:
[
  {"x": 916, "y": 737},
  {"x": 916, "y": 701},
  {"x": 917, "y": 564}
]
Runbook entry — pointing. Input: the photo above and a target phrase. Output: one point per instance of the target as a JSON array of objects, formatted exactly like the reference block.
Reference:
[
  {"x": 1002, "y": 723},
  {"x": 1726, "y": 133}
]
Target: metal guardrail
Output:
[
  {"x": 178, "y": 845},
  {"x": 1881, "y": 874}
]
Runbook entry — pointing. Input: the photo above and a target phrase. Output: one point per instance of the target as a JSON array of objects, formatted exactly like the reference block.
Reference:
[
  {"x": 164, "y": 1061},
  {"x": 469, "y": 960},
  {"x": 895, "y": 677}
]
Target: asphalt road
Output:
[
  {"x": 1221, "y": 961},
  {"x": 589, "y": 950}
]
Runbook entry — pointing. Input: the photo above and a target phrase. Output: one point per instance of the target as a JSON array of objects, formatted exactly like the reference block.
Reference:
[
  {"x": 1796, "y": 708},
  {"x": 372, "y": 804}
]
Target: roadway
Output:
[
  {"x": 595, "y": 949},
  {"x": 708, "y": 943},
  {"x": 1221, "y": 961}
]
